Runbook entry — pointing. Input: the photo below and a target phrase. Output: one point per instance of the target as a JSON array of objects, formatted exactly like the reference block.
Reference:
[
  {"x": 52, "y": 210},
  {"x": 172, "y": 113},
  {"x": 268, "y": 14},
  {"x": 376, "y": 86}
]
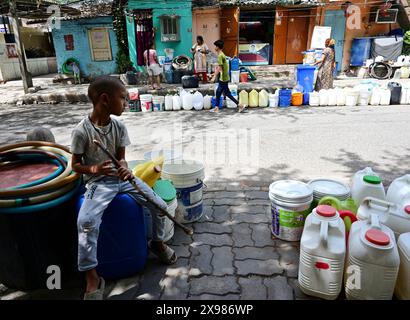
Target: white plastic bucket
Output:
[
  {"x": 351, "y": 98},
  {"x": 187, "y": 177},
  {"x": 290, "y": 205},
  {"x": 235, "y": 76},
  {"x": 402, "y": 290},
  {"x": 146, "y": 102},
  {"x": 168, "y": 224},
  {"x": 158, "y": 103},
  {"x": 322, "y": 253}
]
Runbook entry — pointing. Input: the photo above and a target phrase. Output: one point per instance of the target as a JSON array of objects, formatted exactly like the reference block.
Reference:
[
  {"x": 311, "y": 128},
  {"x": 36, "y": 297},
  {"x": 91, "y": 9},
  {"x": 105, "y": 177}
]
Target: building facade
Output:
[
  {"x": 166, "y": 23},
  {"x": 91, "y": 41}
]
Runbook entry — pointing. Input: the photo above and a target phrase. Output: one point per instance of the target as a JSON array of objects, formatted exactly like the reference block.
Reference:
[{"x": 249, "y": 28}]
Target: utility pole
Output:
[{"x": 25, "y": 75}]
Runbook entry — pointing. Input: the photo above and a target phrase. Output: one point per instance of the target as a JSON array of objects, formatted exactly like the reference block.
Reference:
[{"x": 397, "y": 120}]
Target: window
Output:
[
  {"x": 69, "y": 42},
  {"x": 169, "y": 28},
  {"x": 99, "y": 39}
]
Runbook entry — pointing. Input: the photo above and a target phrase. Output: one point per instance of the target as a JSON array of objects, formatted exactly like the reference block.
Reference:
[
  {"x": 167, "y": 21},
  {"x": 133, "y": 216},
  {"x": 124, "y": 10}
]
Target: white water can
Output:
[
  {"x": 366, "y": 183},
  {"x": 323, "y": 97},
  {"x": 234, "y": 91},
  {"x": 332, "y": 97},
  {"x": 372, "y": 263},
  {"x": 322, "y": 253},
  {"x": 391, "y": 215},
  {"x": 198, "y": 101},
  {"x": 168, "y": 103},
  {"x": 207, "y": 102},
  {"x": 187, "y": 101},
  {"x": 376, "y": 96},
  {"x": 176, "y": 102},
  {"x": 402, "y": 290},
  {"x": 352, "y": 98},
  {"x": 273, "y": 100},
  {"x": 290, "y": 205},
  {"x": 399, "y": 191},
  {"x": 340, "y": 97},
  {"x": 314, "y": 99},
  {"x": 385, "y": 95}
]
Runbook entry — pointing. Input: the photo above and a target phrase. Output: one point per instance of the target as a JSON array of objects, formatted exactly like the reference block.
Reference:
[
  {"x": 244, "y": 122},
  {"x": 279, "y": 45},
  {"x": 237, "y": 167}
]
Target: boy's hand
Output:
[
  {"x": 106, "y": 168},
  {"x": 125, "y": 173}
]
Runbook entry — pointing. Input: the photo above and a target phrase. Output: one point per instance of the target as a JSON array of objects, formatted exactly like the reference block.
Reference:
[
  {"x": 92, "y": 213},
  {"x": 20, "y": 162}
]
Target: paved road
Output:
[
  {"x": 232, "y": 255},
  {"x": 254, "y": 148}
]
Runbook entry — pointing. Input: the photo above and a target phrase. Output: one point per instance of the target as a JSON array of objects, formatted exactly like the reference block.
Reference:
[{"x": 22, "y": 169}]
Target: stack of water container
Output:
[{"x": 375, "y": 263}]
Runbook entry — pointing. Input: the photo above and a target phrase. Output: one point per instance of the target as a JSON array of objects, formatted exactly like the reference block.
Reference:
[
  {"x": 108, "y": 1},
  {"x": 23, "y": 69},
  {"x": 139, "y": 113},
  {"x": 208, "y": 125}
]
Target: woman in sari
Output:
[
  {"x": 327, "y": 65},
  {"x": 200, "y": 50}
]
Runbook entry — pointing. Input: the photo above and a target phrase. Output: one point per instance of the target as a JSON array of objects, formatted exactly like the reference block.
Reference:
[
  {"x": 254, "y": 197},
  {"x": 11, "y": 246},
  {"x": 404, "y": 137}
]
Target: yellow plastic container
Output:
[
  {"x": 244, "y": 98},
  {"x": 253, "y": 99},
  {"x": 149, "y": 171},
  {"x": 263, "y": 98}
]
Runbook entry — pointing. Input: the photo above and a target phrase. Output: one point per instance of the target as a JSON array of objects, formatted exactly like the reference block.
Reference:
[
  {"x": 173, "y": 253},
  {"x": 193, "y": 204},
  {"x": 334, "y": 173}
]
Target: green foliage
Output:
[{"x": 123, "y": 61}]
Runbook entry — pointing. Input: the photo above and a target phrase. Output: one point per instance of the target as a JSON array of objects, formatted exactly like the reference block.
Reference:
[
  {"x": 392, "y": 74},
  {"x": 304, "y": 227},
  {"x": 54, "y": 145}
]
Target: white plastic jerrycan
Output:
[
  {"x": 399, "y": 191},
  {"x": 402, "y": 290},
  {"x": 322, "y": 253},
  {"x": 366, "y": 183},
  {"x": 372, "y": 263},
  {"x": 391, "y": 215}
]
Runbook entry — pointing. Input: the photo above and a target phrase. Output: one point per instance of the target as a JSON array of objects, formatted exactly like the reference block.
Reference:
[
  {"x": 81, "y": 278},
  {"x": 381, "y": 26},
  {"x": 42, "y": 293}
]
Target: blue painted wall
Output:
[
  {"x": 183, "y": 8},
  {"x": 79, "y": 29}
]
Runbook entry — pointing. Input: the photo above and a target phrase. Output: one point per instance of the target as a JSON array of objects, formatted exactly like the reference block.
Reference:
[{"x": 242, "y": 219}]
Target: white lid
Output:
[
  {"x": 404, "y": 243},
  {"x": 324, "y": 187},
  {"x": 289, "y": 190}
]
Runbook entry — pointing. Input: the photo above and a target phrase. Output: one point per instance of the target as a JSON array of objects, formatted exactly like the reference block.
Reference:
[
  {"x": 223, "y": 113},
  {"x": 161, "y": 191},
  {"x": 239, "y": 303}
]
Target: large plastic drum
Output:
[
  {"x": 305, "y": 77},
  {"x": 31, "y": 242},
  {"x": 122, "y": 244},
  {"x": 187, "y": 177}
]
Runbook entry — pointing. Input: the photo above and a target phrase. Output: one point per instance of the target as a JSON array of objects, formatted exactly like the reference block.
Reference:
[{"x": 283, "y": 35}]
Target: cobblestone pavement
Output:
[{"x": 231, "y": 256}]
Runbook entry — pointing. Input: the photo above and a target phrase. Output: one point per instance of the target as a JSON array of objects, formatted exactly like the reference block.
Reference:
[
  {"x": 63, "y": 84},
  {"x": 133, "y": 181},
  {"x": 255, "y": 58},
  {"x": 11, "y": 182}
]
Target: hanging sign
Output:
[{"x": 320, "y": 34}]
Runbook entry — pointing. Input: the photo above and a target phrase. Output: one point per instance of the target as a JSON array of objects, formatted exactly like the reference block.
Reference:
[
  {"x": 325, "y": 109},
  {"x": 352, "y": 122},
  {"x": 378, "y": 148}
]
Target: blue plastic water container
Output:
[
  {"x": 306, "y": 98},
  {"x": 360, "y": 51},
  {"x": 122, "y": 244},
  {"x": 285, "y": 97},
  {"x": 221, "y": 101},
  {"x": 235, "y": 64},
  {"x": 306, "y": 76}
]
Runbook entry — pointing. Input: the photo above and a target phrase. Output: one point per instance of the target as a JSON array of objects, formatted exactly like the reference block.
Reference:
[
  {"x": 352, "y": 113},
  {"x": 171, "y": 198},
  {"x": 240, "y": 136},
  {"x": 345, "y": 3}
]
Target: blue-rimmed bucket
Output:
[{"x": 187, "y": 177}]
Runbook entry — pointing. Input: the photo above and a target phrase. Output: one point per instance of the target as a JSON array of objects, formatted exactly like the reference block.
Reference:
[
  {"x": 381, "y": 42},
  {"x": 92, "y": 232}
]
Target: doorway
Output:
[
  {"x": 143, "y": 33},
  {"x": 297, "y": 36},
  {"x": 337, "y": 21}
]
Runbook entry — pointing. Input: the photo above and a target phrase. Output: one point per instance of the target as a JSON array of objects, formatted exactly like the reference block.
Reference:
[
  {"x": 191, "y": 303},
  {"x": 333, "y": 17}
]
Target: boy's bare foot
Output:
[
  {"x": 241, "y": 107},
  {"x": 93, "y": 281},
  {"x": 216, "y": 109}
]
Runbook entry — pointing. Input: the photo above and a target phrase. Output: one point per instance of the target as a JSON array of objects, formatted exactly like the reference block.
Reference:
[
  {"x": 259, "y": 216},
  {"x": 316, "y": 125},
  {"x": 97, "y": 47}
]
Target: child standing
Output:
[
  {"x": 223, "y": 71},
  {"x": 104, "y": 182},
  {"x": 153, "y": 68}
]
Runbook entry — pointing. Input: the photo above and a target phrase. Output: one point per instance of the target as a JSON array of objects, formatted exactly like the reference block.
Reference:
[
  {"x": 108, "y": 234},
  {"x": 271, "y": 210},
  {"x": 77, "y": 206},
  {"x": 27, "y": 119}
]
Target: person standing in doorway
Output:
[
  {"x": 223, "y": 71},
  {"x": 200, "y": 50},
  {"x": 153, "y": 68},
  {"x": 327, "y": 65}
]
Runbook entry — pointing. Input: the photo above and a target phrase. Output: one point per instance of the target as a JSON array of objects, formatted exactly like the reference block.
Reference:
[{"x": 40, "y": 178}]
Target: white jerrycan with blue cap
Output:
[{"x": 322, "y": 253}]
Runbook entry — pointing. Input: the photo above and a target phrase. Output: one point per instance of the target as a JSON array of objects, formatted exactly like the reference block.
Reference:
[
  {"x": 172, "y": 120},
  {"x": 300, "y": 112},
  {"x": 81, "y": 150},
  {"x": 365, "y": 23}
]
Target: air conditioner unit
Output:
[{"x": 387, "y": 16}]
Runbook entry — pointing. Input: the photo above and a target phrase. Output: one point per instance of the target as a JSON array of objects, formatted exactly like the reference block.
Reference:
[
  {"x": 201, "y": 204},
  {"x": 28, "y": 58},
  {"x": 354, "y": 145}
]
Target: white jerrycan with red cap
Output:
[
  {"x": 372, "y": 261},
  {"x": 322, "y": 253},
  {"x": 396, "y": 217}
]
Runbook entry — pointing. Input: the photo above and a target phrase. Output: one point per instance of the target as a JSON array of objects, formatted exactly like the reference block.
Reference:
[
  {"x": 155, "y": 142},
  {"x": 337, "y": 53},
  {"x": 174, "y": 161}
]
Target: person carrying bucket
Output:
[{"x": 223, "y": 71}]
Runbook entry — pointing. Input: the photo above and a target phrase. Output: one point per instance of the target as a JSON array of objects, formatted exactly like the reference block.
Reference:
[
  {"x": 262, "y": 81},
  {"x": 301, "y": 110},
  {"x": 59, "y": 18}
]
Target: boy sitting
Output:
[{"x": 104, "y": 182}]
